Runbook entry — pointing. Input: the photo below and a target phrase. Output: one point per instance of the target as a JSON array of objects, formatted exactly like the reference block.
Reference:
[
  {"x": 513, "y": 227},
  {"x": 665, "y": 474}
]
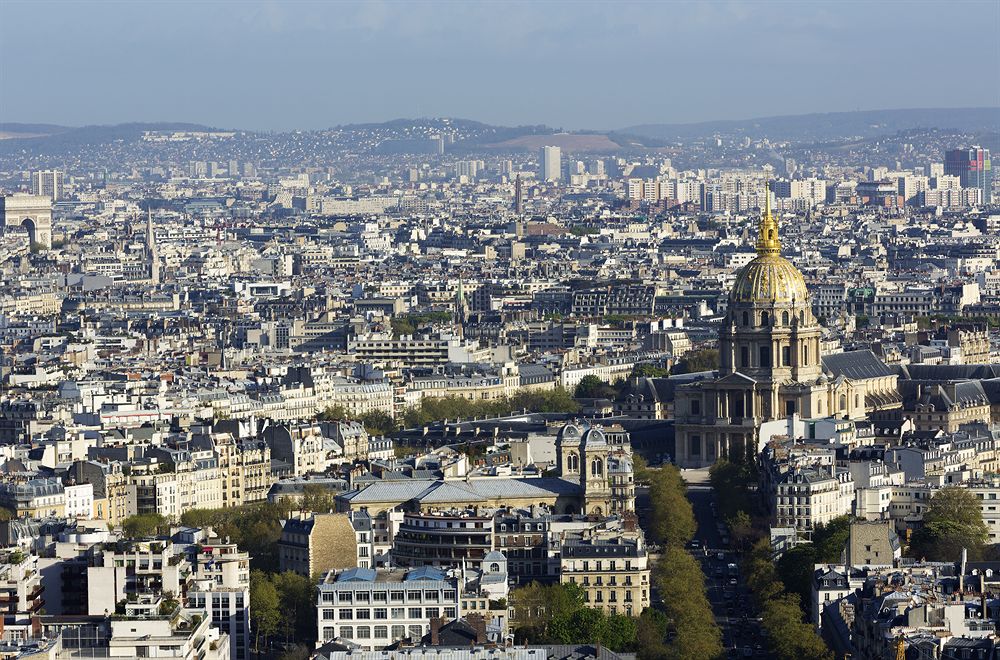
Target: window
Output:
[
  {"x": 695, "y": 445},
  {"x": 381, "y": 613},
  {"x": 744, "y": 356},
  {"x": 786, "y": 356},
  {"x": 416, "y": 631},
  {"x": 784, "y": 318},
  {"x": 695, "y": 407},
  {"x": 381, "y": 632},
  {"x": 765, "y": 356},
  {"x": 347, "y": 632},
  {"x": 746, "y": 318},
  {"x": 432, "y": 612},
  {"x": 396, "y": 596},
  {"x": 765, "y": 319},
  {"x": 398, "y": 632},
  {"x": 415, "y": 613},
  {"x": 328, "y": 615},
  {"x": 397, "y": 612},
  {"x": 364, "y": 632},
  {"x": 363, "y": 614}
]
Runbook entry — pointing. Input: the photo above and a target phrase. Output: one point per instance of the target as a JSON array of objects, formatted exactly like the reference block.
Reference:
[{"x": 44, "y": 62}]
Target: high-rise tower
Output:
[
  {"x": 974, "y": 169},
  {"x": 551, "y": 163},
  {"x": 152, "y": 255}
]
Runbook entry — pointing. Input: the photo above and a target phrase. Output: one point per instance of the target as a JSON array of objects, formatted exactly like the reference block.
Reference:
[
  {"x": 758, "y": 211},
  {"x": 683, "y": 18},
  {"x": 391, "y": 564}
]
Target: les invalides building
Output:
[{"x": 771, "y": 367}]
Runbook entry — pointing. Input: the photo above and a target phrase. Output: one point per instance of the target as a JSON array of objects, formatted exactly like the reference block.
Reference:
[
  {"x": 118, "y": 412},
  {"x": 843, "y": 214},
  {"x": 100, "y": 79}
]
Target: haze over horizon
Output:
[{"x": 304, "y": 65}]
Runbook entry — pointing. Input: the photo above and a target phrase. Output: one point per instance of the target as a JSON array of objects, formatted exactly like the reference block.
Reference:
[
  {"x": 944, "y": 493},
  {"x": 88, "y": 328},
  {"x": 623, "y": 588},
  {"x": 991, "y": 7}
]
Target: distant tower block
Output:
[{"x": 33, "y": 212}]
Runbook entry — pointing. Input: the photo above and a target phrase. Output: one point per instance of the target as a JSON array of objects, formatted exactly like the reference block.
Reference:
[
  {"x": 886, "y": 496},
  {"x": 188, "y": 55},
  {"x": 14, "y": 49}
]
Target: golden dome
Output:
[{"x": 769, "y": 278}]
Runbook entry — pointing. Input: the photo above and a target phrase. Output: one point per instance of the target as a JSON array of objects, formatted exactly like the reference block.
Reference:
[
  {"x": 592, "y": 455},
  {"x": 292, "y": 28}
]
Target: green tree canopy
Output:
[
  {"x": 706, "y": 359},
  {"x": 953, "y": 521},
  {"x": 266, "y": 611},
  {"x": 592, "y": 387},
  {"x": 681, "y": 585},
  {"x": 145, "y": 525},
  {"x": 672, "y": 519}
]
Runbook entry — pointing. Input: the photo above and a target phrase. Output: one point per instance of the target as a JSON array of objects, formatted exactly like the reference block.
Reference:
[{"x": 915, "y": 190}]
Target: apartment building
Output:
[
  {"x": 374, "y": 608},
  {"x": 612, "y": 567}
]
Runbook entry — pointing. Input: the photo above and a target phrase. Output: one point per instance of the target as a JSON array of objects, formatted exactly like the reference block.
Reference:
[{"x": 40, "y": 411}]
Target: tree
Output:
[
  {"x": 266, "y": 611},
  {"x": 333, "y": 413},
  {"x": 827, "y": 547},
  {"x": 144, "y": 525},
  {"x": 790, "y": 635},
  {"x": 378, "y": 422},
  {"x": 672, "y": 519},
  {"x": 953, "y": 521},
  {"x": 791, "y": 638},
  {"x": 681, "y": 584},
  {"x": 706, "y": 359},
  {"x": 651, "y": 634},
  {"x": 295, "y": 594},
  {"x": 592, "y": 387},
  {"x": 647, "y": 370},
  {"x": 317, "y": 498}
]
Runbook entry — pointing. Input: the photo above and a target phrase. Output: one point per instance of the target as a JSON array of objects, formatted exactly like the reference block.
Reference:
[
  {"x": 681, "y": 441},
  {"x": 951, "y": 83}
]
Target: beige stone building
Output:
[
  {"x": 612, "y": 567},
  {"x": 313, "y": 544}
]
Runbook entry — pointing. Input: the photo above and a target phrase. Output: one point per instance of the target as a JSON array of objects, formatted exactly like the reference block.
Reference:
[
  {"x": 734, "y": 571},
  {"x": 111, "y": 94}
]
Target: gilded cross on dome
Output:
[{"x": 768, "y": 241}]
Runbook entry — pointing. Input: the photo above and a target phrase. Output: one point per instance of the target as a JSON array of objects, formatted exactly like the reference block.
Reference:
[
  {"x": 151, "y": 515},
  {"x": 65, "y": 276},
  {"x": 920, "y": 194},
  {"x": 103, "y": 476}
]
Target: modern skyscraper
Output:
[
  {"x": 518, "y": 196},
  {"x": 47, "y": 183},
  {"x": 551, "y": 163},
  {"x": 973, "y": 168}
]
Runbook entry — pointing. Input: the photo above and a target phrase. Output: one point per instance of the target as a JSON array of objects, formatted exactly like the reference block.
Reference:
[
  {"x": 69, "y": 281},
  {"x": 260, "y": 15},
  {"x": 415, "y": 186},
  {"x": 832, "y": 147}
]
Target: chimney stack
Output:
[
  {"x": 436, "y": 623},
  {"x": 478, "y": 622}
]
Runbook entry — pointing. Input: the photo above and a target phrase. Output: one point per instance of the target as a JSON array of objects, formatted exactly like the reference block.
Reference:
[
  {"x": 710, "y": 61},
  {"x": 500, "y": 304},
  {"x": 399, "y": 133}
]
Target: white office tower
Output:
[
  {"x": 551, "y": 163},
  {"x": 47, "y": 183}
]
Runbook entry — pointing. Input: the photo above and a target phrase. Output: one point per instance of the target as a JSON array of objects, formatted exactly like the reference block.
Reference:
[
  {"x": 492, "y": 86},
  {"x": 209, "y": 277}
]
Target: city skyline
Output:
[{"x": 271, "y": 66}]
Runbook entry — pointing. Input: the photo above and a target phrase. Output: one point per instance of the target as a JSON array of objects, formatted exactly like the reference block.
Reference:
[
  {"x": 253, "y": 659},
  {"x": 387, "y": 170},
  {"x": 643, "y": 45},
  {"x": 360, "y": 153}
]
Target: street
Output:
[{"x": 742, "y": 634}]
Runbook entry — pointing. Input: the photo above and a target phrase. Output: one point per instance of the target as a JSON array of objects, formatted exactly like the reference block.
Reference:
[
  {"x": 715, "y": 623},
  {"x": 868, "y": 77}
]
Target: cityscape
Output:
[{"x": 694, "y": 385}]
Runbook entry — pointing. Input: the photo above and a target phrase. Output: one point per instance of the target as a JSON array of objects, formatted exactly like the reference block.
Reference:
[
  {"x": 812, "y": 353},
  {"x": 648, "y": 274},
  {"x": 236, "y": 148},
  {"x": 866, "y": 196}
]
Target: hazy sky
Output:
[{"x": 292, "y": 64}]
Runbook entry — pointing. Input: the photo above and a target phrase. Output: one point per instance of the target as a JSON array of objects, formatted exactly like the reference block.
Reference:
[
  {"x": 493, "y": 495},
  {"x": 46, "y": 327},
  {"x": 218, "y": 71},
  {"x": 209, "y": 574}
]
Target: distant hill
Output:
[
  {"x": 13, "y": 130},
  {"x": 831, "y": 125},
  {"x": 44, "y": 137}
]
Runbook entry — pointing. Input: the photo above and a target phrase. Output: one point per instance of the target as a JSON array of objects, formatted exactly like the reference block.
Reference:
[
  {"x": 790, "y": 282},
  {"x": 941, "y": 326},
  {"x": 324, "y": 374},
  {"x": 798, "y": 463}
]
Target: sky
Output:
[{"x": 291, "y": 64}]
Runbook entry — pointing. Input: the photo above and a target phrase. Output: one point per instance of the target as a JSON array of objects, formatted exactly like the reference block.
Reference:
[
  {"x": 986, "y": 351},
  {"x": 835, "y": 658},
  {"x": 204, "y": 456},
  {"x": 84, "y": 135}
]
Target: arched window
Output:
[
  {"x": 746, "y": 318},
  {"x": 597, "y": 468},
  {"x": 573, "y": 462},
  {"x": 843, "y": 402},
  {"x": 494, "y": 567},
  {"x": 784, "y": 318},
  {"x": 802, "y": 316},
  {"x": 765, "y": 319},
  {"x": 805, "y": 354}
]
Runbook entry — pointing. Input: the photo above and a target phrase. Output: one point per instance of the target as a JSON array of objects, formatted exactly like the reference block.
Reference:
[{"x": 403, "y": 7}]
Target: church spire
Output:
[{"x": 768, "y": 242}]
